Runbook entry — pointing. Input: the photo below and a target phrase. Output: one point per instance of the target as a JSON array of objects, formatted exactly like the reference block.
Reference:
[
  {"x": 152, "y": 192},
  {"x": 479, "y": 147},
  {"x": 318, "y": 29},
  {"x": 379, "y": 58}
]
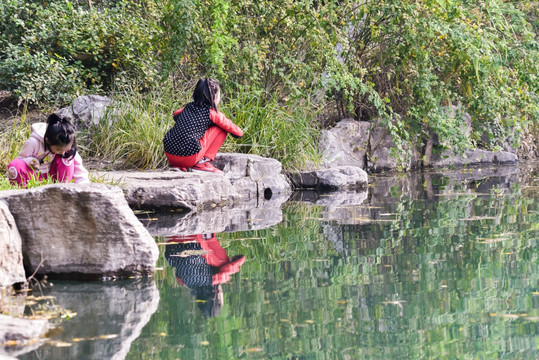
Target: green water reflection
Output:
[{"x": 450, "y": 274}]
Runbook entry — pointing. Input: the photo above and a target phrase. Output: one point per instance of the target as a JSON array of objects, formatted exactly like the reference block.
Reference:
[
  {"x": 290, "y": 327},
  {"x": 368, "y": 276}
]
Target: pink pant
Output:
[
  {"x": 211, "y": 142},
  {"x": 61, "y": 170}
]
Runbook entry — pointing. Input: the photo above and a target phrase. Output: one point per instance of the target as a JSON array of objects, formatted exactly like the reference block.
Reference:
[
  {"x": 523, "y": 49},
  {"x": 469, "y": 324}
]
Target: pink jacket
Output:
[{"x": 34, "y": 148}]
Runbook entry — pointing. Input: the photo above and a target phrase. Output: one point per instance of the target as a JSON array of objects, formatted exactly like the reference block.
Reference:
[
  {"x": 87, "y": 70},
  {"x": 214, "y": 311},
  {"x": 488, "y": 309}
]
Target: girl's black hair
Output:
[
  {"x": 205, "y": 92},
  {"x": 60, "y": 132}
]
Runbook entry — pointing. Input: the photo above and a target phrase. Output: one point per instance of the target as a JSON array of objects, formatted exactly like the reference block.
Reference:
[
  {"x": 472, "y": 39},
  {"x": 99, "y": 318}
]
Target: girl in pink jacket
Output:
[
  {"x": 199, "y": 130},
  {"x": 50, "y": 152}
]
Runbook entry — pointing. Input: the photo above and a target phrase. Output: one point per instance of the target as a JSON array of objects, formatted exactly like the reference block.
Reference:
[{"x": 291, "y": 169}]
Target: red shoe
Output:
[
  {"x": 173, "y": 168},
  {"x": 207, "y": 167}
]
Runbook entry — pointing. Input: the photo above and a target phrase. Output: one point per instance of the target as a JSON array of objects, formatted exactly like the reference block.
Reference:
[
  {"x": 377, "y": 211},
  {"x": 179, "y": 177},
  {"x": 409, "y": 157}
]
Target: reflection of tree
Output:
[
  {"x": 202, "y": 265},
  {"x": 452, "y": 276}
]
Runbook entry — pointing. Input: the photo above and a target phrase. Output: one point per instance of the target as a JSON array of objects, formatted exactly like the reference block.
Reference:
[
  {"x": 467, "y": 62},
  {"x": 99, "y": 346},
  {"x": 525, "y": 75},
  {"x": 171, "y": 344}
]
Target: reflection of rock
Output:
[
  {"x": 81, "y": 229},
  {"x": 25, "y": 332},
  {"x": 341, "y": 207},
  {"x": 212, "y": 221},
  {"x": 11, "y": 268},
  {"x": 109, "y": 317}
]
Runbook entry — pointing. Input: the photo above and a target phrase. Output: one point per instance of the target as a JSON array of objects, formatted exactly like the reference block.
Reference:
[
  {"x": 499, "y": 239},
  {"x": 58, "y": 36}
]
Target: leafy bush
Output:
[
  {"x": 56, "y": 50},
  {"x": 402, "y": 63},
  {"x": 406, "y": 61}
]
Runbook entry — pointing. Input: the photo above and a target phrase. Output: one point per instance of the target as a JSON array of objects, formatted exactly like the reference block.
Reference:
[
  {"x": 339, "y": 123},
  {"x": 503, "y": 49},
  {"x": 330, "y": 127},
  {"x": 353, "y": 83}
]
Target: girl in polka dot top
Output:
[{"x": 199, "y": 130}]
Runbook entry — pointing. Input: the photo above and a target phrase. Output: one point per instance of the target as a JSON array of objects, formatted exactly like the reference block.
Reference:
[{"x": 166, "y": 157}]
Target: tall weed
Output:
[
  {"x": 11, "y": 140},
  {"x": 131, "y": 134}
]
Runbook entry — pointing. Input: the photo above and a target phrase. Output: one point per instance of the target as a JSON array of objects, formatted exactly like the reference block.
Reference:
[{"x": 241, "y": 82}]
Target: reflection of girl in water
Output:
[{"x": 202, "y": 265}]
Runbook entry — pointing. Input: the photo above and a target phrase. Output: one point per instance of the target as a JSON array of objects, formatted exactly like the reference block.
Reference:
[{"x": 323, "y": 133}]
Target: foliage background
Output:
[{"x": 288, "y": 68}]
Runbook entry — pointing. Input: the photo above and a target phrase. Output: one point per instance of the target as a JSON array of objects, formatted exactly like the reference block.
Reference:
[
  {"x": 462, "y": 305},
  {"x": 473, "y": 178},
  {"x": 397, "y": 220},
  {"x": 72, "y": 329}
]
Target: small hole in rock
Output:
[{"x": 267, "y": 193}]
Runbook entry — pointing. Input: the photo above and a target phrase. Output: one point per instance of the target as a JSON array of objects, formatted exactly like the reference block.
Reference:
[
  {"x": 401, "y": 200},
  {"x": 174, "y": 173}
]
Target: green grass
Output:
[
  {"x": 130, "y": 136},
  {"x": 131, "y": 133}
]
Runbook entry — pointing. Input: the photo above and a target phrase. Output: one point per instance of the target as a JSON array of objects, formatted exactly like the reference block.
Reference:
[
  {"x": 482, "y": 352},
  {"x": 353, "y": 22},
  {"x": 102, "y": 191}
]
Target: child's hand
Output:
[{"x": 34, "y": 164}]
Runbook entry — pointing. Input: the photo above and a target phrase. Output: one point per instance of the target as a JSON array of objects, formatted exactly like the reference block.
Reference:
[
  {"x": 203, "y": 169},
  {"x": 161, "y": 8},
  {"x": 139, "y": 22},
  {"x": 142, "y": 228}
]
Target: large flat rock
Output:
[
  {"x": 85, "y": 230},
  {"x": 248, "y": 181},
  {"x": 11, "y": 267}
]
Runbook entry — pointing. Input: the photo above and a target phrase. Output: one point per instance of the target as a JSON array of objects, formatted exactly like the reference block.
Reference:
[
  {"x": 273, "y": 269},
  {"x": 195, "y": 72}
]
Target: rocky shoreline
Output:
[{"x": 90, "y": 231}]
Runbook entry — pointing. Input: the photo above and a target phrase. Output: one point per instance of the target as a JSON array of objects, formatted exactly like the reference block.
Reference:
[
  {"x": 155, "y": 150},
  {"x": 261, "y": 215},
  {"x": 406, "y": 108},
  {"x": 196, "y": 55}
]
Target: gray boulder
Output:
[
  {"x": 361, "y": 144},
  {"x": 381, "y": 158},
  {"x": 256, "y": 178},
  {"x": 11, "y": 266},
  {"x": 86, "y": 111},
  {"x": 248, "y": 181},
  {"x": 20, "y": 332},
  {"x": 335, "y": 178},
  {"x": 473, "y": 157},
  {"x": 345, "y": 144},
  {"x": 81, "y": 229}
]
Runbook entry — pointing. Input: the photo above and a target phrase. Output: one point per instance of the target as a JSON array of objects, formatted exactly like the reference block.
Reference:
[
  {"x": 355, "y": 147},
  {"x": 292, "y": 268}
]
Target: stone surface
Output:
[
  {"x": 473, "y": 157},
  {"x": 336, "y": 178},
  {"x": 345, "y": 144},
  {"x": 129, "y": 307},
  {"x": 11, "y": 266},
  {"x": 248, "y": 181},
  {"x": 86, "y": 111},
  {"x": 380, "y": 157},
  {"x": 369, "y": 146},
  {"x": 256, "y": 178},
  {"x": 85, "y": 230},
  {"x": 21, "y": 332}
]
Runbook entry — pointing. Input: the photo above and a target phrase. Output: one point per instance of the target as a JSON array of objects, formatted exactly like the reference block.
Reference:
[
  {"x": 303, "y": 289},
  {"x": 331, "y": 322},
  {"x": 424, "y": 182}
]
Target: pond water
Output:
[{"x": 428, "y": 268}]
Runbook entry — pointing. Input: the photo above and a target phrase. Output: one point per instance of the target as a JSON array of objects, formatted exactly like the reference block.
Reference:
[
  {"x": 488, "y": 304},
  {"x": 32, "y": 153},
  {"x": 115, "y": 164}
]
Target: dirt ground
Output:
[{"x": 10, "y": 111}]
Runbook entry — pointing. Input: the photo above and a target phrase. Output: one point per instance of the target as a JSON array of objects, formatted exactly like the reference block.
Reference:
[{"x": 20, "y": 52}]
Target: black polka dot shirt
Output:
[{"x": 191, "y": 122}]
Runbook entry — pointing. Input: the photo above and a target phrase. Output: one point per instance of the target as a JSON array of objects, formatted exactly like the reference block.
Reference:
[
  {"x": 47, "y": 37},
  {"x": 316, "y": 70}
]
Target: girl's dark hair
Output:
[
  {"x": 205, "y": 92},
  {"x": 60, "y": 132}
]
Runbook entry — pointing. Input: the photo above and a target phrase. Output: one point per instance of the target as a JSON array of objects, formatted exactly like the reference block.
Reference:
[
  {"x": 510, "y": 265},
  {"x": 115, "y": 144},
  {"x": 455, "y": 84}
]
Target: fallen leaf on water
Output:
[
  {"x": 309, "y": 321},
  {"x": 162, "y": 334},
  {"x": 535, "y": 292},
  {"x": 257, "y": 349},
  {"x": 342, "y": 302},
  {"x": 40, "y": 298},
  {"x": 285, "y": 320},
  {"x": 60, "y": 344},
  {"x": 99, "y": 337},
  {"x": 489, "y": 241},
  {"x": 476, "y": 218},
  {"x": 205, "y": 343}
]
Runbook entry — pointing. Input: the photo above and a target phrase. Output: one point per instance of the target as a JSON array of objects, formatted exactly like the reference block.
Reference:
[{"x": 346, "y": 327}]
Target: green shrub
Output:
[
  {"x": 405, "y": 61},
  {"x": 53, "y": 51}
]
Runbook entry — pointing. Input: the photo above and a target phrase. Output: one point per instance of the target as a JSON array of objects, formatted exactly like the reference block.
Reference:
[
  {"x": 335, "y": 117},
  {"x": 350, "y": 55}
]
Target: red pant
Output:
[
  {"x": 61, "y": 170},
  {"x": 211, "y": 142}
]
